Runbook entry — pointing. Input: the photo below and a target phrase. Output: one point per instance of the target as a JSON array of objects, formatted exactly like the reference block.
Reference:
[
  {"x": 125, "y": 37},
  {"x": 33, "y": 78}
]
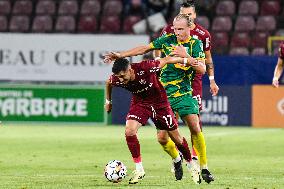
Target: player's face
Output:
[
  {"x": 124, "y": 76},
  {"x": 189, "y": 11},
  {"x": 181, "y": 29}
]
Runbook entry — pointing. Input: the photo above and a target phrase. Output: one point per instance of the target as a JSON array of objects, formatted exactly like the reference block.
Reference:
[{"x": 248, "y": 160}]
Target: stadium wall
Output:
[
  {"x": 60, "y": 57},
  {"x": 56, "y": 103},
  {"x": 235, "y": 103}
]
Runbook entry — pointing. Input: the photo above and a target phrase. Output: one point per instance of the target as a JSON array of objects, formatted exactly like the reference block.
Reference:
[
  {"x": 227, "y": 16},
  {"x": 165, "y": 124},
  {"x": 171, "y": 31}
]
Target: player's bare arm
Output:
[
  {"x": 132, "y": 52},
  {"x": 277, "y": 72},
  {"x": 157, "y": 54},
  {"x": 108, "y": 104},
  {"x": 197, "y": 64},
  {"x": 214, "y": 89}
]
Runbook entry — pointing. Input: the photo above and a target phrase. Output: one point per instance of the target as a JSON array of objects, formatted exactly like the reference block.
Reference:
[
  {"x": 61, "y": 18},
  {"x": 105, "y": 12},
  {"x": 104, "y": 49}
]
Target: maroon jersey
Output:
[
  {"x": 202, "y": 34},
  {"x": 146, "y": 87},
  {"x": 281, "y": 51},
  {"x": 149, "y": 98}
]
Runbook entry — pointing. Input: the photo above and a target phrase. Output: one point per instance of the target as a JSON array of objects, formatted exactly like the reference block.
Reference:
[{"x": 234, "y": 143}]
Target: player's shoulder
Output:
[
  {"x": 113, "y": 80},
  {"x": 201, "y": 30}
]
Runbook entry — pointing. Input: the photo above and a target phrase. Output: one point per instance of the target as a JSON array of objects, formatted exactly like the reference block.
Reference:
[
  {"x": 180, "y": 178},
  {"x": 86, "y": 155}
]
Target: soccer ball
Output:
[{"x": 115, "y": 171}]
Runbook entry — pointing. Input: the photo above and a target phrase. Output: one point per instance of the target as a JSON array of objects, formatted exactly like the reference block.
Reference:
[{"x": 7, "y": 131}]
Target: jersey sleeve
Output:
[
  {"x": 198, "y": 50},
  {"x": 113, "y": 80},
  {"x": 207, "y": 41}
]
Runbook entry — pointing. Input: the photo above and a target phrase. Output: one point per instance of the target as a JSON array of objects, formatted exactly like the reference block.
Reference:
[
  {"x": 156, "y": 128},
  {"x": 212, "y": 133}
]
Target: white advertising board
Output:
[{"x": 61, "y": 57}]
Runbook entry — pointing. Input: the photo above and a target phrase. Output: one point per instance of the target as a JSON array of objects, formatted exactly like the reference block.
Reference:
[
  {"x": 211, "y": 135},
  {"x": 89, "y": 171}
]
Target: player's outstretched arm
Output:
[
  {"x": 132, "y": 52},
  {"x": 277, "y": 72},
  {"x": 108, "y": 104},
  {"x": 197, "y": 64},
  {"x": 214, "y": 89}
]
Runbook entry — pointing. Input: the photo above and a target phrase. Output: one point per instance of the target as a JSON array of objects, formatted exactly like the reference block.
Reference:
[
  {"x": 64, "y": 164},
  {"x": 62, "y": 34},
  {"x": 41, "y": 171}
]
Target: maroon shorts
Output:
[
  {"x": 197, "y": 91},
  {"x": 163, "y": 117}
]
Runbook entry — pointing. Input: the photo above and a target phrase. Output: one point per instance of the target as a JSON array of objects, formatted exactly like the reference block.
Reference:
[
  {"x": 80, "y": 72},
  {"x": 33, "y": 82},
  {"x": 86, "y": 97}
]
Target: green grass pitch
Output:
[{"x": 63, "y": 157}]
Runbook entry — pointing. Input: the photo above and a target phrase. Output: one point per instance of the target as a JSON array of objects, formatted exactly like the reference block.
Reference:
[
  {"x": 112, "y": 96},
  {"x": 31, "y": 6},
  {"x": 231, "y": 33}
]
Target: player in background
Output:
[
  {"x": 149, "y": 100},
  {"x": 197, "y": 32},
  {"x": 177, "y": 81},
  {"x": 279, "y": 67}
]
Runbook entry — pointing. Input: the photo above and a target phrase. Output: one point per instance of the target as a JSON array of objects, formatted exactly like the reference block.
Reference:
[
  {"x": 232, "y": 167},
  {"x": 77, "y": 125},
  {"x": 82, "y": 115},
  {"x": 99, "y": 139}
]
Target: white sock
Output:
[
  {"x": 139, "y": 166},
  {"x": 177, "y": 159}
]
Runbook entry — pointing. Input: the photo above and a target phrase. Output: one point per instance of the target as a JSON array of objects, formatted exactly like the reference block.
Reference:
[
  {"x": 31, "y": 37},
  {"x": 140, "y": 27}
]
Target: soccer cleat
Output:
[
  {"x": 194, "y": 172},
  {"x": 207, "y": 176},
  {"x": 137, "y": 175},
  {"x": 173, "y": 163},
  {"x": 195, "y": 162},
  {"x": 178, "y": 170}
]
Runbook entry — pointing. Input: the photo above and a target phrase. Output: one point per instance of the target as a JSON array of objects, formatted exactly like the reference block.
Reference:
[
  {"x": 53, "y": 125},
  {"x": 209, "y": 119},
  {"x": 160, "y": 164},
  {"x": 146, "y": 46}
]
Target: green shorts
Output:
[{"x": 184, "y": 105}]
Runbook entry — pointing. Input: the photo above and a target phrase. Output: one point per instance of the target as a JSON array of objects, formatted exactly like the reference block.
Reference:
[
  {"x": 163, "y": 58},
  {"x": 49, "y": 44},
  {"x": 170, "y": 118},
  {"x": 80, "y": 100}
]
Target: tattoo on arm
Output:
[{"x": 209, "y": 66}]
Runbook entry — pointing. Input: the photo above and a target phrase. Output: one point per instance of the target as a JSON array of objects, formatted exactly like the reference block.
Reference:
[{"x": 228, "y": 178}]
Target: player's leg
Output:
[
  {"x": 137, "y": 116},
  {"x": 198, "y": 97},
  {"x": 182, "y": 146},
  {"x": 169, "y": 146},
  {"x": 165, "y": 121},
  {"x": 133, "y": 144},
  {"x": 188, "y": 109},
  {"x": 194, "y": 150},
  {"x": 199, "y": 143},
  {"x": 192, "y": 121}
]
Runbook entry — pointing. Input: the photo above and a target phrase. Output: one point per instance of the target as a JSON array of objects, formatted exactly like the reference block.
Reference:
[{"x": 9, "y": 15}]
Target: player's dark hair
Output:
[
  {"x": 119, "y": 65},
  {"x": 188, "y": 4}
]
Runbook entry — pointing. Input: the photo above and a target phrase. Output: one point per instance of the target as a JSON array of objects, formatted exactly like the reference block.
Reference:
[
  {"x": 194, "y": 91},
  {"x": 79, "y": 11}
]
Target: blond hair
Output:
[{"x": 189, "y": 21}]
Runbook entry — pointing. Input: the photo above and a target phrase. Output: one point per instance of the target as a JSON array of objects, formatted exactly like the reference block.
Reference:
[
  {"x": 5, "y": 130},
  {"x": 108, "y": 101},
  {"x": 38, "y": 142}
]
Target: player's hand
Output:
[
  {"x": 109, "y": 57},
  {"x": 214, "y": 89},
  {"x": 192, "y": 62},
  {"x": 179, "y": 51},
  {"x": 108, "y": 107},
  {"x": 275, "y": 83}
]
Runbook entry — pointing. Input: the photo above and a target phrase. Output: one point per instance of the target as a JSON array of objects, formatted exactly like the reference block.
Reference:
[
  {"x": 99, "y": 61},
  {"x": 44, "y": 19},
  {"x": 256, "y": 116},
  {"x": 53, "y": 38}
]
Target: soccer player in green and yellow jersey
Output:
[{"x": 177, "y": 81}]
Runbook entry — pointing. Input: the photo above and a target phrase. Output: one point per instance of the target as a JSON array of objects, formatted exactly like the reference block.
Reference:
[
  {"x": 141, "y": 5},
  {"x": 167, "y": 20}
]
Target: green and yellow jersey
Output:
[{"x": 176, "y": 78}]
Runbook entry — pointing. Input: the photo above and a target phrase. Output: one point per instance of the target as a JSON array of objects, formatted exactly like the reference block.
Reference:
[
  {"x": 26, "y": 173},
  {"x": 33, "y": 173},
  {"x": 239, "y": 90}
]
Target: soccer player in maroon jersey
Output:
[
  {"x": 198, "y": 32},
  {"x": 279, "y": 67},
  {"x": 149, "y": 100}
]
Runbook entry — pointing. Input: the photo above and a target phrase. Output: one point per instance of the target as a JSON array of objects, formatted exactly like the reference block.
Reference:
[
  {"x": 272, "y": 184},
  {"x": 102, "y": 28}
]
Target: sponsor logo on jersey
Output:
[
  {"x": 141, "y": 72},
  {"x": 144, "y": 89},
  {"x": 207, "y": 42},
  {"x": 200, "y": 31}
]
